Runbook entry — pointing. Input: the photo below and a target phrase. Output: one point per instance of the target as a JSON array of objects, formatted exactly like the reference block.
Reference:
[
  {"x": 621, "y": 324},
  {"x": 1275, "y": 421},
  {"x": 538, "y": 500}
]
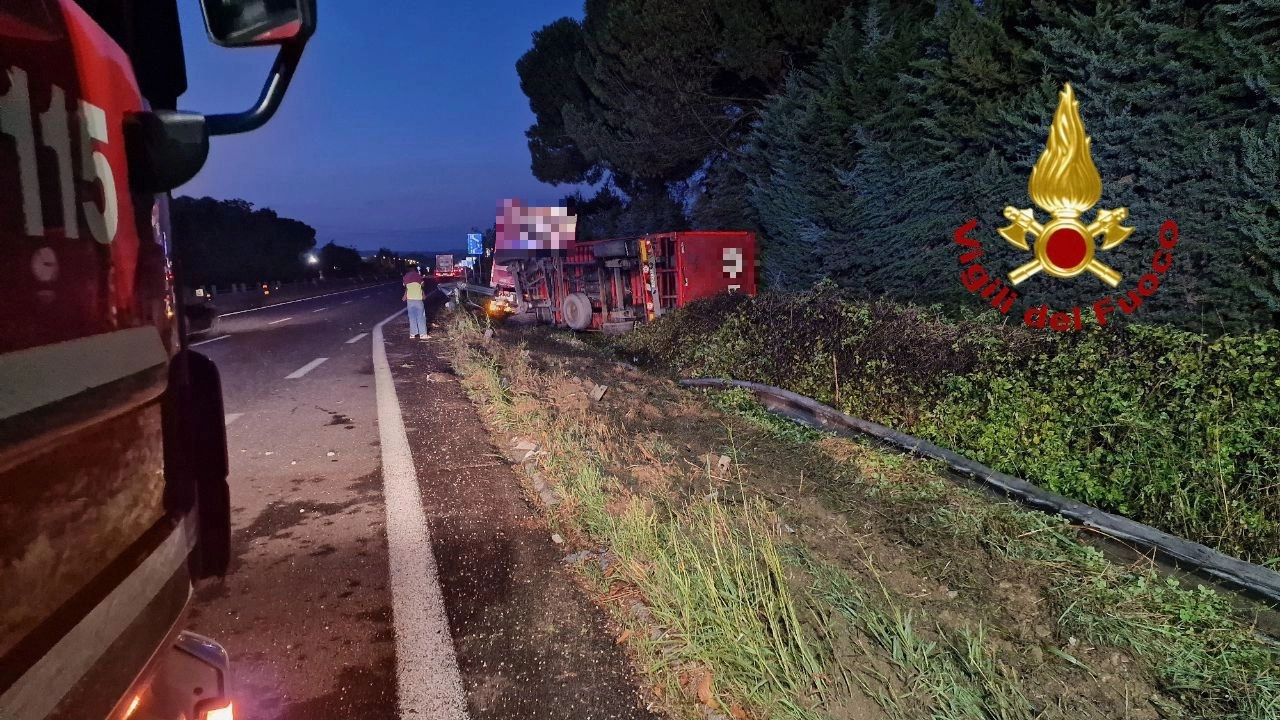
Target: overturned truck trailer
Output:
[{"x": 610, "y": 285}]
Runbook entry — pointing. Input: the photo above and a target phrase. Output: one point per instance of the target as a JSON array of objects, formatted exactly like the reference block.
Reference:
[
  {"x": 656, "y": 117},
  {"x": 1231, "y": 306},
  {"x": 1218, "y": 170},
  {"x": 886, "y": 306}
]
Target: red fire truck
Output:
[
  {"x": 610, "y": 285},
  {"x": 113, "y": 461}
]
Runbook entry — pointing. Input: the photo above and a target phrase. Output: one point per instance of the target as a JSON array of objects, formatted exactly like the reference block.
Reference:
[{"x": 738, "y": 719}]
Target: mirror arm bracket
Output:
[{"x": 268, "y": 102}]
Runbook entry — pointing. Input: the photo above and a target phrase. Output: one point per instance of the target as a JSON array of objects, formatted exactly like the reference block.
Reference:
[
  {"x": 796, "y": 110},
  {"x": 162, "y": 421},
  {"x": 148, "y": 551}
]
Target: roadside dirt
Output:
[
  {"x": 661, "y": 440},
  {"x": 530, "y": 644}
]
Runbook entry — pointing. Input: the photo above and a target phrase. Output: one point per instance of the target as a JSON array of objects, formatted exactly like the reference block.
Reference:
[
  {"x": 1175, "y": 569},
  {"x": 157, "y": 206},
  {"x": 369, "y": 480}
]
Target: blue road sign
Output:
[{"x": 475, "y": 244}]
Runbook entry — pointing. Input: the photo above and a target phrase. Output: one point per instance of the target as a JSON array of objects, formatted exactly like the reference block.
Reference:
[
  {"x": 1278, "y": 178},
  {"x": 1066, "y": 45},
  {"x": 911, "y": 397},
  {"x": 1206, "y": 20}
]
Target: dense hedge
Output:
[{"x": 1167, "y": 427}]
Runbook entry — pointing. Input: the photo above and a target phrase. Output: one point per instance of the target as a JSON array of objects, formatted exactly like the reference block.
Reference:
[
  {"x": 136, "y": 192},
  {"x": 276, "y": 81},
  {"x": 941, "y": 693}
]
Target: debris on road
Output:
[
  {"x": 723, "y": 464},
  {"x": 598, "y": 392},
  {"x": 578, "y": 557},
  {"x": 548, "y": 497}
]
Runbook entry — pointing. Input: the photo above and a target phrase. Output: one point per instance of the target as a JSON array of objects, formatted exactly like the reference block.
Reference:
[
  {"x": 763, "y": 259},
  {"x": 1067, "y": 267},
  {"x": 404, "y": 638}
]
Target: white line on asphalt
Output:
[
  {"x": 345, "y": 302},
  {"x": 290, "y": 302},
  {"x": 357, "y": 338},
  {"x": 364, "y": 297},
  {"x": 232, "y": 417},
  {"x": 320, "y": 309},
  {"x": 205, "y": 342},
  {"x": 305, "y": 369},
  {"x": 427, "y": 677},
  {"x": 277, "y": 322}
]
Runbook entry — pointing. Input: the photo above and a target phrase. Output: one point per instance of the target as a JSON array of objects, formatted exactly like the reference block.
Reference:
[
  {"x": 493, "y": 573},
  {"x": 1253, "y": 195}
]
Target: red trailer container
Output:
[{"x": 610, "y": 285}]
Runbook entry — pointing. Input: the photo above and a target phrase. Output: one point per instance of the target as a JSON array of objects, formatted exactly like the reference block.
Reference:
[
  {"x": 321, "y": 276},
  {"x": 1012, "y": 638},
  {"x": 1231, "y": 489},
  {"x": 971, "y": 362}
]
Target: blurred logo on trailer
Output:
[{"x": 525, "y": 232}]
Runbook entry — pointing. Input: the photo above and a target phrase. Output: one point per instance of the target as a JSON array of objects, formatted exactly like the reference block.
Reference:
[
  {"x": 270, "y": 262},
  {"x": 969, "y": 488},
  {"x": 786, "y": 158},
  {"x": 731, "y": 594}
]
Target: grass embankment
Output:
[
  {"x": 1173, "y": 429},
  {"x": 763, "y": 570}
]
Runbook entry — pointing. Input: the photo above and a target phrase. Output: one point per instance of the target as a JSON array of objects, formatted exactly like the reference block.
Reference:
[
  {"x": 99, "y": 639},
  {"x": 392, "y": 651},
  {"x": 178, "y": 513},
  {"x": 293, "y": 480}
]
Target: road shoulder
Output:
[{"x": 529, "y": 642}]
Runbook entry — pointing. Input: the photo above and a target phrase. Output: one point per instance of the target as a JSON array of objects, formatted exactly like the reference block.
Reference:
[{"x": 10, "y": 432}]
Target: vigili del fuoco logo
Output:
[{"x": 1065, "y": 184}]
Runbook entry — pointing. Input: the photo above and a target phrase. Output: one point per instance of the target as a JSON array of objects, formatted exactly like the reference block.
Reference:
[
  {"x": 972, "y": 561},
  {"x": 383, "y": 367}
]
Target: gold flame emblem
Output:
[{"x": 1065, "y": 183}]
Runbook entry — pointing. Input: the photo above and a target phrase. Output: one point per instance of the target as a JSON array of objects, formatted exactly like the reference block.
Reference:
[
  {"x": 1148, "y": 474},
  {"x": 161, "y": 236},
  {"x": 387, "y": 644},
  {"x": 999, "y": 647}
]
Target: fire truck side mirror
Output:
[
  {"x": 244, "y": 23},
  {"x": 165, "y": 149}
]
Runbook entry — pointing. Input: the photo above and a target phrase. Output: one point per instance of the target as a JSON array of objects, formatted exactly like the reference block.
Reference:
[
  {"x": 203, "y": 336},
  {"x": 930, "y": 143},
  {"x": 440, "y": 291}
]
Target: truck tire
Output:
[{"x": 576, "y": 311}]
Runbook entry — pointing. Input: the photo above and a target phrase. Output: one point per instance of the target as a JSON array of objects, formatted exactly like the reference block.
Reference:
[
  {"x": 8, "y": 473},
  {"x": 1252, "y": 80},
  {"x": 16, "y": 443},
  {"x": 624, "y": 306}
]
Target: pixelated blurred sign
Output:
[
  {"x": 527, "y": 232},
  {"x": 475, "y": 244},
  {"x": 444, "y": 263}
]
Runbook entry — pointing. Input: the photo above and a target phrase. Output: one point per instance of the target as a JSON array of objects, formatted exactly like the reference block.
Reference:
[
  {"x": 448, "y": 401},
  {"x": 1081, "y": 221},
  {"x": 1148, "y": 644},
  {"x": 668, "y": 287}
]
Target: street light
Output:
[{"x": 312, "y": 259}]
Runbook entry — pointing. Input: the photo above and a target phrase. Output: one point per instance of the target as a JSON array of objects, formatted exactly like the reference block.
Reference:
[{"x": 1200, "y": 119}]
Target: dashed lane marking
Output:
[
  {"x": 232, "y": 417},
  {"x": 305, "y": 369},
  {"x": 277, "y": 322},
  {"x": 428, "y": 682},
  {"x": 357, "y": 338},
  {"x": 206, "y": 342},
  {"x": 320, "y": 309}
]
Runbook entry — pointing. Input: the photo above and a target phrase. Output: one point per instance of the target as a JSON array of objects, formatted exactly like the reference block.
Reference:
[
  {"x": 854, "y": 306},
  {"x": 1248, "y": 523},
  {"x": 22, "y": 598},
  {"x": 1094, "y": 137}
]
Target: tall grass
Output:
[
  {"x": 715, "y": 577},
  {"x": 941, "y": 674},
  {"x": 770, "y": 626},
  {"x": 712, "y": 575}
]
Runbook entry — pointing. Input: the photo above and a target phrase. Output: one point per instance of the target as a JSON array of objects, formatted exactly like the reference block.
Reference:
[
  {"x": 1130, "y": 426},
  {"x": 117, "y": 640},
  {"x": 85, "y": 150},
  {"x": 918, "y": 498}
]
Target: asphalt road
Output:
[
  {"x": 305, "y": 610},
  {"x": 386, "y": 564}
]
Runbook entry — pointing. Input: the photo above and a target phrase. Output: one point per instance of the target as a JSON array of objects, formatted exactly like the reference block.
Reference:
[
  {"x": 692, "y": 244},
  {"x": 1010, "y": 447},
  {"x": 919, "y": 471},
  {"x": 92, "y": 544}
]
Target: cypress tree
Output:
[{"x": 1164, "y": 103}]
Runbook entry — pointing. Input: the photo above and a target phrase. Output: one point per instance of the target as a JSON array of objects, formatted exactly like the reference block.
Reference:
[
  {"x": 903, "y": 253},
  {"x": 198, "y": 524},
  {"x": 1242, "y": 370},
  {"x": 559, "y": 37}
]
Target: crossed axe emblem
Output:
[{"x": 1065, "y": 247}]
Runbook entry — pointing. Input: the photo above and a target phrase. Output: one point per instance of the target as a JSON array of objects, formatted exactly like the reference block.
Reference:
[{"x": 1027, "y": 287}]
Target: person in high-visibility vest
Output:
[{"x": 415, "y": 295}]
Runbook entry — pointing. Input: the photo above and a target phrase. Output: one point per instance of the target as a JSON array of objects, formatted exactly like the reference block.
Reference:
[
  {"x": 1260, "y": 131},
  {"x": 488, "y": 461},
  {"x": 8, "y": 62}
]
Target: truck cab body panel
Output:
[{"x": 93, "y": 564}]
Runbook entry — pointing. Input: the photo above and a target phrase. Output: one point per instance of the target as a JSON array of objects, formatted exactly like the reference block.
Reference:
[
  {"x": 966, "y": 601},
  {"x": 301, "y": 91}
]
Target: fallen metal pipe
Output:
[{"x": 1254, "y": 579}]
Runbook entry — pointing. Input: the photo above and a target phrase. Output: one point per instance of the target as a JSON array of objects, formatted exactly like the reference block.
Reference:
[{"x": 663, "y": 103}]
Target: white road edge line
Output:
[
  {"x": 277, "y": 322},
  {"x": 427, "y": 677},
  {"x": 305, "y": 369},
  {"x": 232, "y": 417},
  {"x": 320, "y": 309},
  {"x": 206, "y": 342},
  {"x": 357, "y": 338},
  {"x": 290, "y": 302}
]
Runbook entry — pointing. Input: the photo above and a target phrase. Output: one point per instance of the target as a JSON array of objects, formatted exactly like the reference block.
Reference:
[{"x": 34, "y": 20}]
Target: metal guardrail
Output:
[
  {"x": 1253, "y": 579},
  {"x": 252, "y": 295}
]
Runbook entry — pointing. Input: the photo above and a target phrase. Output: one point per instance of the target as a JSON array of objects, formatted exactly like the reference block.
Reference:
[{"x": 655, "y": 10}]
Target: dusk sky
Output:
[{"x": 403, "y": 128}]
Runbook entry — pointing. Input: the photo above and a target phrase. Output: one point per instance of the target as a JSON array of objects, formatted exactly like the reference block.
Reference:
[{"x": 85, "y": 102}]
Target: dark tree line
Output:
[
  {"x": 221, "y": 242},
  {"x": 855, "y": 136}
]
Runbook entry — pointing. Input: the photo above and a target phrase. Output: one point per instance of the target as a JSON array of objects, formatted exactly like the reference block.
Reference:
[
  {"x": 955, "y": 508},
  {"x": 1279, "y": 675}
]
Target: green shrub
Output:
[{"x": 1165, "y": 426}]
